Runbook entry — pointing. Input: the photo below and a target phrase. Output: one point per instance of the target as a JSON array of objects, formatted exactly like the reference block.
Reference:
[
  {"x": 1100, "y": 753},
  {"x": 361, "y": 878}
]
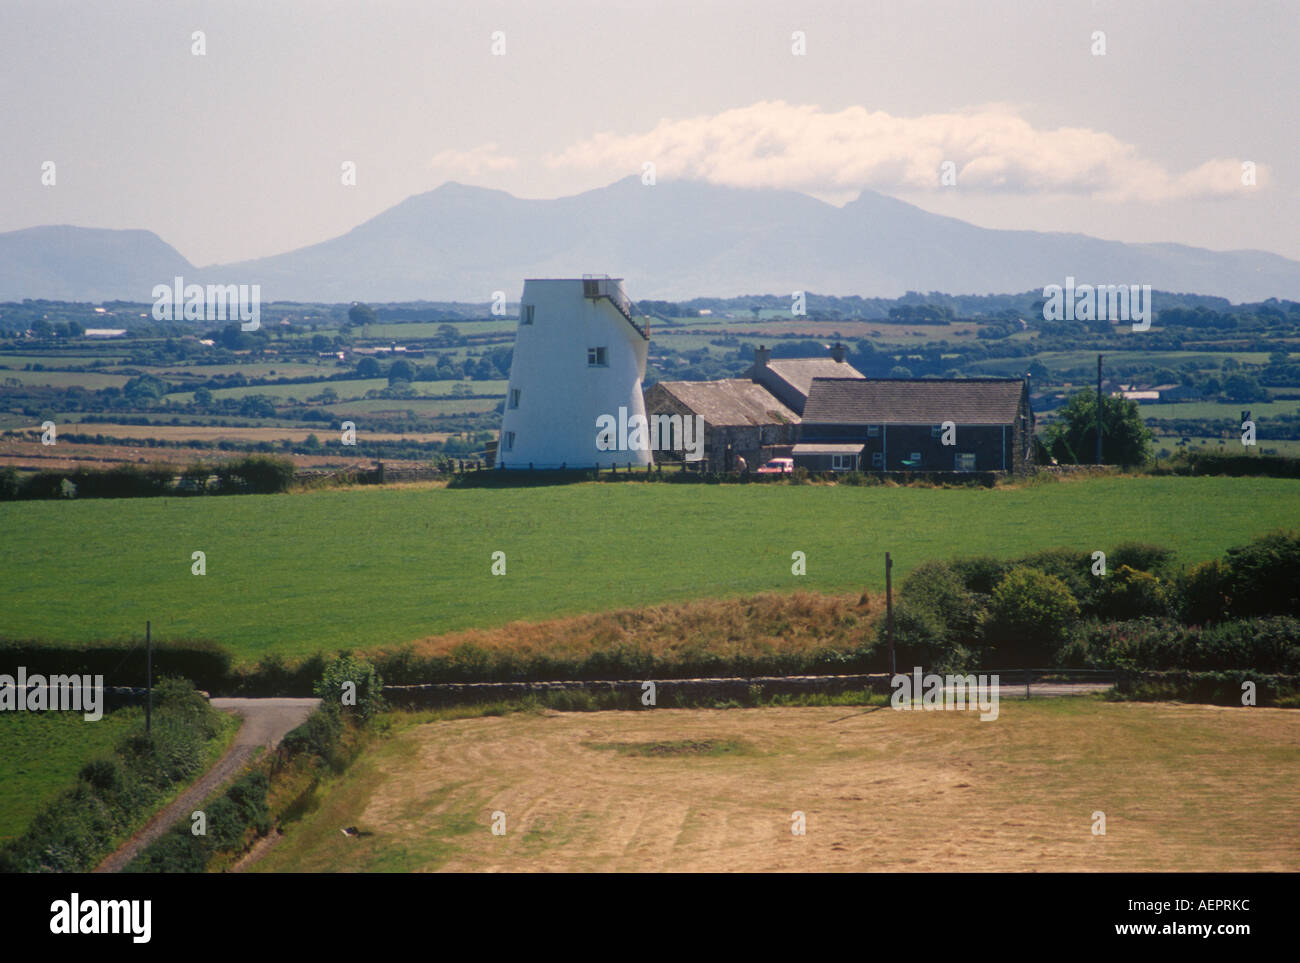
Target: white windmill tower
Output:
[{"x": 580, "y": 354}]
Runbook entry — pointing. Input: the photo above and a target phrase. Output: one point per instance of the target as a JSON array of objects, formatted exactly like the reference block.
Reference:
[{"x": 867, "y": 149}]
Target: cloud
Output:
[
  {"x": 992, "y": 148},
  {"x": 484, "y": 159}
]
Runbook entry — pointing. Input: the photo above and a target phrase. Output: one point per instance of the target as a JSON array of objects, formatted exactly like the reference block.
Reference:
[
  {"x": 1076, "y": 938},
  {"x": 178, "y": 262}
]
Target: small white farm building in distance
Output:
[{"x": 580, "y": 354}]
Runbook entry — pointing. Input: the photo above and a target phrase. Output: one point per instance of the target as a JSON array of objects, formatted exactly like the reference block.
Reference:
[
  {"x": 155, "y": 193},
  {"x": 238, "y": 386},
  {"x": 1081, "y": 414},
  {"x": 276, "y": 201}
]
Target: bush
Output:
[
  {"x": 1071, "y": 566},
  {"x": 1202, "y": 593},
  {"x": 256, "y": 474},
  {"x": 175, "y": 852},
  {"x": 1030, "y": 614},
  {"x": 979, "y": 574},
  {"x": 242, "y": 807},
  {"x": 937, "y": 589},
  {"x": 350, "y": 685},
  {"x": 205, "y": 663},
  {"x": 1264, "y": 576},
  {"x": 1127, "y": 593},
  {"x": 105, "y": 774},
  {"x": 1198, "y": 463},
  {"x": 1214, "y": 688},
  {"x": 1263, "y": 645},
  {"x": 8, "y": 483},
  {"x": 318, "y": 736},
  {"x": 1142, "y": 557},
  {"x": 918, "y": 638}
]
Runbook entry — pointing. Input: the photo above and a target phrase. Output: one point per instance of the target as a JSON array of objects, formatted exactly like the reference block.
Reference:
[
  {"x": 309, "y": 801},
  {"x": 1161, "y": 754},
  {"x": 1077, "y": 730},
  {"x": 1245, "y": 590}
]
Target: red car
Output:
[{"x": 777, "y": 466}]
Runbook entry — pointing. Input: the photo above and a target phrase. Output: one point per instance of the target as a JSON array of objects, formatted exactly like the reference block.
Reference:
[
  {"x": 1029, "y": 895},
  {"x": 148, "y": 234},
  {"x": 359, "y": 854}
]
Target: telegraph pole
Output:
[
  {"x": 1098, "y": 409},
  {"x": 148, "y": 706},
  {"x": 889, "y": 611}
]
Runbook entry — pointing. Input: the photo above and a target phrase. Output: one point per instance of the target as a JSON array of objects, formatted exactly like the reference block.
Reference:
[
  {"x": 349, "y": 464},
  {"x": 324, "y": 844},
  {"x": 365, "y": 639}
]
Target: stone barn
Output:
[{"x": 741, "y": 420}]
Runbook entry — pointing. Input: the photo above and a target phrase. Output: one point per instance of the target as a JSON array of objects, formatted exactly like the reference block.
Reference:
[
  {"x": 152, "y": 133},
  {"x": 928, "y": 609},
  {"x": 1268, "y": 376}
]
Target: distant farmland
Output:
[{"x": 359, "y": 568}]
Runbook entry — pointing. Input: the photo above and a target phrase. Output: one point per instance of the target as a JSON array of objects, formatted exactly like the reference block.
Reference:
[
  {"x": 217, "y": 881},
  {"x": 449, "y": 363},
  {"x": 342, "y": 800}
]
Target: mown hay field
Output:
[{"x": 1183, "y": 788}]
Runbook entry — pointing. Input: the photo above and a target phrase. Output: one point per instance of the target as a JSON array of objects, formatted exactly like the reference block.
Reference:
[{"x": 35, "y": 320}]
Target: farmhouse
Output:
[
  {"x": 790, "y": 379},
  {"x": 904, "y": 424},
  {"x": 754, "y": 417}
]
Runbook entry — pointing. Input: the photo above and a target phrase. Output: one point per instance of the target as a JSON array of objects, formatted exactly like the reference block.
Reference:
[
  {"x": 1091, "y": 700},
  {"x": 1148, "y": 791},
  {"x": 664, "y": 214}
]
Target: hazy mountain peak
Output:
[{"x": 675, "y": 239}]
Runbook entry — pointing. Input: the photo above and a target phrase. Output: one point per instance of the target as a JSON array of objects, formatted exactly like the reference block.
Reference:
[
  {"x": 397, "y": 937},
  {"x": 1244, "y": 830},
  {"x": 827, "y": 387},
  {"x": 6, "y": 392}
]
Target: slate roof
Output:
[
  {"x": 731, "y": 401},
  {"x": 799, "y": 373},
  {"x": 913, "y": 401}
]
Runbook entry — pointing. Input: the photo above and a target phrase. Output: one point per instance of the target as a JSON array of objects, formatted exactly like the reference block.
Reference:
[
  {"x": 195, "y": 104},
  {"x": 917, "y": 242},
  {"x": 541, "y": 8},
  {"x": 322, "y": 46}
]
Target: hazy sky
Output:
[{"x": 237, "y": 153}]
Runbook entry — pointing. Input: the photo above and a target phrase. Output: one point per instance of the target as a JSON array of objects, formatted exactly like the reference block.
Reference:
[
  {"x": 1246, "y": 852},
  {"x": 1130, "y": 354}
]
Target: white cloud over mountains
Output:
[{"x": 805, "y": 148}]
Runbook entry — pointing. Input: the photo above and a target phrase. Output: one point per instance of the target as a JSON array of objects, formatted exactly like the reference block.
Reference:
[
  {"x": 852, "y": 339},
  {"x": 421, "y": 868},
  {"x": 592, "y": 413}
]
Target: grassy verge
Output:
[
  {"x": 116, "y": 793},
  {"x": 43, "y": 752}
]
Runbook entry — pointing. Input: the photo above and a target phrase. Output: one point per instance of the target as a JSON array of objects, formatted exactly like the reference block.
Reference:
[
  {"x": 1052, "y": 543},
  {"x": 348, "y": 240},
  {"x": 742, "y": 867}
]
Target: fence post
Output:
[
  {"x": 889, "y": 611},
  {"x": 148, "y": 706}
]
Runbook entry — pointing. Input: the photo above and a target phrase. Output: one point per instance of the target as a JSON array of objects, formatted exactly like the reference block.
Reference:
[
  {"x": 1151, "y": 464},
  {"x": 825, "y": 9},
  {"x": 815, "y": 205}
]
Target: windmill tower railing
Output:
[{"x": 603, "y": 286}]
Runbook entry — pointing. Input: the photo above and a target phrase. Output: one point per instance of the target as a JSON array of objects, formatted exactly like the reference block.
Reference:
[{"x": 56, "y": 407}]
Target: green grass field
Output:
[
  {"x": 91, "y": 381},
  {"x": 426, "y": 407},
  {"x": 1228, "y": 412},
  {"x": 346, "y": 390},
  {"x": 360, "y": 568},
  {"x": 43, "y": 751}
]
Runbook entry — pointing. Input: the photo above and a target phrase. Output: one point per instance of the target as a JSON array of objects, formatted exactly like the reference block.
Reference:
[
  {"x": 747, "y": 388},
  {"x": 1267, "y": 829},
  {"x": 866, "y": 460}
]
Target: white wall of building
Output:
[{"x": 560, "y": 395}]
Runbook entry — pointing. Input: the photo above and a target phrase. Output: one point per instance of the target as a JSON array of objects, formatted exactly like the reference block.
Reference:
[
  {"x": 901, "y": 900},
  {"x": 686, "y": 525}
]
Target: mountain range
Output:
[{"x": 672, "y": 240}]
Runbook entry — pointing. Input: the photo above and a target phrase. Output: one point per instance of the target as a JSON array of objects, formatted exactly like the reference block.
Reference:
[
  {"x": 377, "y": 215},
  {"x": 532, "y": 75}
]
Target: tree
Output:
[
  {"x": 1125, "y": 438},
  {"x": 401, "y": 370},
  {"x": 1240, "y": 387},
  {"x": 145, "y": 389},
  {"x": 368, "y": 368},
  {"x": 361, "y": 314},
  {"x": 233, "y": 337}
]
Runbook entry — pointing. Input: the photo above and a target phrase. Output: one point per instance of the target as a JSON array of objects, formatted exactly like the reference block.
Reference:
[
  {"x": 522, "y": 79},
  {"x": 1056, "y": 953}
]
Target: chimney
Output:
[
  {"x": 761, "y": 355},
  {"x": 838, "y": 352}
]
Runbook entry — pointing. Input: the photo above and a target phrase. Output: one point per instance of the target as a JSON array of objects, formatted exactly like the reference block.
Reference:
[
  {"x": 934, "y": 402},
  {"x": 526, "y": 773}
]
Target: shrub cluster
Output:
[
  {"x": 228, "y": 818},
  {"x": 1213, "y": 463},
  {"x": 252, "y": 474},
  {"x": 1270, "y": 644},
  {"x": 1050, "y": 608}
]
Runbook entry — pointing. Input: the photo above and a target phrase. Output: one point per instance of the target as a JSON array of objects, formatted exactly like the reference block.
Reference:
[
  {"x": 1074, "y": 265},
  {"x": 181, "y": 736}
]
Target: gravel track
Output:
[{"x": 266, "y": 722}]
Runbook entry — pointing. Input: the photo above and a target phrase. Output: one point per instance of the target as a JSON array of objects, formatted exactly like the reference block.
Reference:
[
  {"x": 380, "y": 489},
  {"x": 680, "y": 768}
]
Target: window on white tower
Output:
[
  {"x": 508, "y": 440},
  {"x": 514, "y": 397},
  {"x": 597, "y": 358},
  {"x": 527, "y": 316}
]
